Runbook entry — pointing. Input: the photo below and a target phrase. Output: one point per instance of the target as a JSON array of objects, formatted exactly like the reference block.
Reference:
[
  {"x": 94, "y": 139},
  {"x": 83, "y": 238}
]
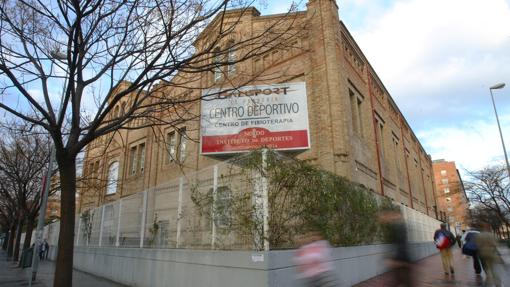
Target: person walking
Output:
[
  {"x": 470, "y": 248},
  {"x": 489, "y": 255},
  {"x": 46, "y": 249},
  {"x": 444, "y": 241},
  {"x": 42, "y": 249},
  {"x": 313, "y": 261},
  {"x": 399, "y": 259}
]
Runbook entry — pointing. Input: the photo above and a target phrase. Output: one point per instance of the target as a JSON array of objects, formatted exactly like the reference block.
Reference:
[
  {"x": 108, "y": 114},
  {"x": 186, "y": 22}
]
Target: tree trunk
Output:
[
  {"x": 28, "y": 235},
  {"x": 10, "y": 246},
  {"x": 19, "y": 228},
  {"x": 64, "y": 264}
]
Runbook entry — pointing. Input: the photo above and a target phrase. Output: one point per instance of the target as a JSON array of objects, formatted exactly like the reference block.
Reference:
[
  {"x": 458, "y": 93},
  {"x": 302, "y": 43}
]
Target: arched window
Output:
[{"x": 113, "y": 176}]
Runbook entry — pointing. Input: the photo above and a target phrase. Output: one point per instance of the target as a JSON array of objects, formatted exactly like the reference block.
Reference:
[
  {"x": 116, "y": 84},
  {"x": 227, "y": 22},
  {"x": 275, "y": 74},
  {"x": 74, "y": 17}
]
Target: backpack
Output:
[{"x": 442, "y": 241}]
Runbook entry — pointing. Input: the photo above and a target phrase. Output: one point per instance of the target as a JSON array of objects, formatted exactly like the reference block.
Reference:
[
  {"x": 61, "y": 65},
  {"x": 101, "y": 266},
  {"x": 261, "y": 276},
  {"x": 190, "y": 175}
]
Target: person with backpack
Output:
[
  {"x": 469, "y": 248},
  {"x": 444, "y": 241}
]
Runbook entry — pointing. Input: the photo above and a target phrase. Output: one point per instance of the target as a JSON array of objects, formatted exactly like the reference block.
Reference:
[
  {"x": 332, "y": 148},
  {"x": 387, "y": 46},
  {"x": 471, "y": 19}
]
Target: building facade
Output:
[
  {"x": 451, "y": 196},
  {"x": 355, "y": 128}
]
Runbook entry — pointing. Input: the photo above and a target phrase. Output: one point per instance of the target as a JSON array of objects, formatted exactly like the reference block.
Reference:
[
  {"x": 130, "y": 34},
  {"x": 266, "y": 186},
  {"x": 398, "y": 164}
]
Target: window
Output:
[
  {"x": 176, "y": 144},
  {"x": 266, "y": 61},
  {"x": 217, "y": 65},
  {"x": 123, "y": 109},
  {"x": 132, "y": 160},
  {"x": 379, "y": 135},
  {"x": 231, "y": 58},
  {"x": 113, "y": 176},
  {"x": 137, "y": 159},
  {"x": 182, "y": 144},
  {"x": 257, "y": 65},
  {"x": 171, "y": 141},
  {"x": 394, "y": 139},
  {"x": 141, "y": 155},
  {"x": 93, "y": 173},
  {"x": 443, "y": 172},
  {"x": 444, "y": 181},
  {"x": 447, "y": 190},
  {"x": 356, "y": 112}
]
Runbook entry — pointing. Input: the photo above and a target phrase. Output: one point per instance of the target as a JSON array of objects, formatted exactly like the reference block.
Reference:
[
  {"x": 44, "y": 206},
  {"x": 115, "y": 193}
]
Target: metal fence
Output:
[{"x": 166, "y": 216}]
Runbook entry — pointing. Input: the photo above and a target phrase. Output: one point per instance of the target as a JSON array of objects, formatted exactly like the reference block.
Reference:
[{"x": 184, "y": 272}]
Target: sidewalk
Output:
[
  {"x": 429, "y": 272},
  {"x": 11, "y": 275}
]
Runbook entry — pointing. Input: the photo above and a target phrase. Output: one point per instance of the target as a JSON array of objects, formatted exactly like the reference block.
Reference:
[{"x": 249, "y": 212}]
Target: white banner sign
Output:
[{"x": 251, "y": 117}]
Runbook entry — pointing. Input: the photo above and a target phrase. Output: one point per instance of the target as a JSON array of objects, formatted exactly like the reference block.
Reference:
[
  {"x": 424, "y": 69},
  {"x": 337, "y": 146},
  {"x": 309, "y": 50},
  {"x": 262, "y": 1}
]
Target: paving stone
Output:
[{"x": 429, "y": 272}]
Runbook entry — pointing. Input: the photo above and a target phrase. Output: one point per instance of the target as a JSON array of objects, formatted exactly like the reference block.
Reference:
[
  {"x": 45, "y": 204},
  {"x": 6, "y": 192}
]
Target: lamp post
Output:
[
  {"x": 57, "y": 55},
  {"x": 497, "y": 87}
]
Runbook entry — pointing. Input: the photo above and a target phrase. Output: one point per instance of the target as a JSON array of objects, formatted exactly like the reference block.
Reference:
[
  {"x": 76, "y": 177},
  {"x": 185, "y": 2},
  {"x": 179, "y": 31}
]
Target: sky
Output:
[{"x": 437, "y": 59}]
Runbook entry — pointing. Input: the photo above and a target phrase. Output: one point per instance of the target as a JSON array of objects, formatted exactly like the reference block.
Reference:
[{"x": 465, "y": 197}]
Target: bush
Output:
[{"x": 301, "y": 197}]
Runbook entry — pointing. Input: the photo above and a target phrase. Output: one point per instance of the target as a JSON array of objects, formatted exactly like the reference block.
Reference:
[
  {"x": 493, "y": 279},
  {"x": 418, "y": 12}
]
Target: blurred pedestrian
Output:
[
  {"x": 41, "y": 250},
  {"x": 46, "y": 249},
  {"x": 489, "y": 255},
  {"x": 444, "y": 241},
  {"x": 470, "y": 248},
  {"x": 459, "y": 242},
  {"x": 313, "y": 261},
  {"x": 399, "y": 259}
]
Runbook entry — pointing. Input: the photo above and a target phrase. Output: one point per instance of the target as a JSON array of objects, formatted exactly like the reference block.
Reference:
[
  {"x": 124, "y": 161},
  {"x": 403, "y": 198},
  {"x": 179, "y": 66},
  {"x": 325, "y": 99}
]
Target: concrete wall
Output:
[
  {"x": 173, "y": 267},
  {"x": 194, "y": 268},
  {"x": 352, "y": 264}
]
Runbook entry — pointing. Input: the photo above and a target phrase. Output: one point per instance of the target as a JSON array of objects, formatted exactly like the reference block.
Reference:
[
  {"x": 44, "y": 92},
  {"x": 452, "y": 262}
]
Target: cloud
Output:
[
  {"x": 435, "y": 48},
  {"x": 472, "y": 145},
  {"x": 438, "y": 58}
]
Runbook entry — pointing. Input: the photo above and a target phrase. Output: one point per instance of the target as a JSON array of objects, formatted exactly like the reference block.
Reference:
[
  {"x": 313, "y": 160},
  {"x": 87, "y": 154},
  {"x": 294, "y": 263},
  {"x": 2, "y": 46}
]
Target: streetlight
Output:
[
  {"x": 497, "y": 87},
  {"x": 46, "y": 184}
]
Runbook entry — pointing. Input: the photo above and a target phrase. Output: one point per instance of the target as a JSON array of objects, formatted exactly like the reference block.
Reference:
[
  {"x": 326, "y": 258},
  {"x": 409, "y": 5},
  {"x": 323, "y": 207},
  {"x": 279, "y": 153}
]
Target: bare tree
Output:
[
  {"x": 23, "y": 159},
  {"x": 8, "y": 222},
  {"x": 107, "y": 53},
  {"x": 489, "y": 189},
  {"x": 481, "y": 214}
]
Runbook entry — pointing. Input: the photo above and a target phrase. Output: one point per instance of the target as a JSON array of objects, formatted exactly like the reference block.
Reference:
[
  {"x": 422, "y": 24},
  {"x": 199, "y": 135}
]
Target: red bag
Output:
[{"x": 442, "y": 242}]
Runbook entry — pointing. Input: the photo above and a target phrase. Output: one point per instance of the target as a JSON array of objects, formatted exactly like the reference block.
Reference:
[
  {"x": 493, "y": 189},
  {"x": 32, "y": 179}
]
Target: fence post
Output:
[
  {"x": 144, "y": 215},
  {"x": 101, "y": 226},
  {"x": 265, "y": 200},
  {"x": 118, "y": 224},
  {"x": 215, "y": 189},
  {"x": 179, "y": 212},
  {"x": 78, "y": 232}
]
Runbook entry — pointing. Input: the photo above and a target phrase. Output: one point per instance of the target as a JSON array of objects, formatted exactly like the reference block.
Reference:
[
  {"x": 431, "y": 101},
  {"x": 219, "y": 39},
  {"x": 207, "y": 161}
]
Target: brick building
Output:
[
  {"x": 355, "y": 127},
  {"x": 53, "y": 208},
  {"x": 451, "y": 197}
]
